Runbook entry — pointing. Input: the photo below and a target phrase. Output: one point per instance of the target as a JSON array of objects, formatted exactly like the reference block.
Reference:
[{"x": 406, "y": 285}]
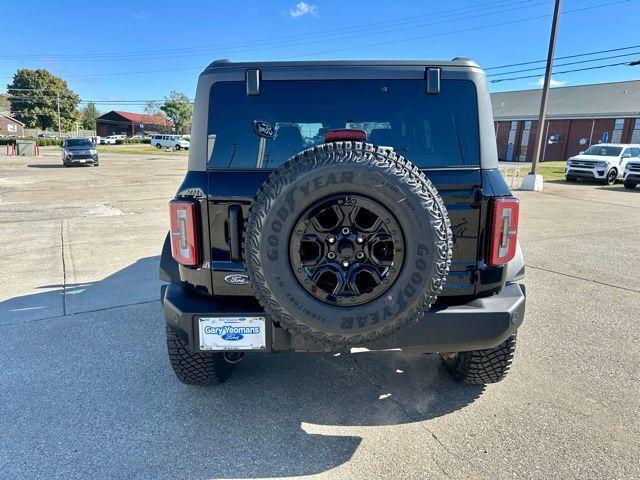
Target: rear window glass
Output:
[{"x": 430, "y": 130}]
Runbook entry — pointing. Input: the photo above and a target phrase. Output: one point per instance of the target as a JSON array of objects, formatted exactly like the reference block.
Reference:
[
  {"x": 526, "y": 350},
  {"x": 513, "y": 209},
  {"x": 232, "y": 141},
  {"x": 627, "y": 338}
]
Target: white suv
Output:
[
  {"x": 170, "y": 141},
  {"x": 605, "y": 162},
  {"x": 110, "y": 140},
  {"x": 632, "y": 174}
]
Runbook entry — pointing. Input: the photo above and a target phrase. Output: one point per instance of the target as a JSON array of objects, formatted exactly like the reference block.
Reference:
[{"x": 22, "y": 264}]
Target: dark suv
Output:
[
  {"x": 331, "y": 205},
  {"x": 79, "y": 151}
]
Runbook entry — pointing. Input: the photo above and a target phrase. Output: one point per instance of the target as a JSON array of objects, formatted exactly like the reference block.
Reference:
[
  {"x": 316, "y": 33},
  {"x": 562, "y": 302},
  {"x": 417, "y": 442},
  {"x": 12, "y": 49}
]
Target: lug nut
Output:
[
  {"x": 345, "y": 263},
  {"x": 331, "y": 239},
  {"x": 331, "y": 255},
  {"x": 360, "y": 255},
  {"x": 345, "y": 231},
  {"x": 360, "y": 240}
]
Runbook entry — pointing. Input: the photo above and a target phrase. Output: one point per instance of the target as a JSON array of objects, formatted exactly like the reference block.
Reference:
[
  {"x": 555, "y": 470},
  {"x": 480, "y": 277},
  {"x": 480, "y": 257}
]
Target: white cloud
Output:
[
  {"x": 552, "y": 83},
  {"x": 303, "y": 8}
]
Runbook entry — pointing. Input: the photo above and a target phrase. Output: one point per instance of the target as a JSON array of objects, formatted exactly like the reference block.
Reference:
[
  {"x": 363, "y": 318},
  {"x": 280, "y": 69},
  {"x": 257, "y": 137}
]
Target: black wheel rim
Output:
[
  {"x": 611, "y": 178},
  {"x": 346, "y": 249}
]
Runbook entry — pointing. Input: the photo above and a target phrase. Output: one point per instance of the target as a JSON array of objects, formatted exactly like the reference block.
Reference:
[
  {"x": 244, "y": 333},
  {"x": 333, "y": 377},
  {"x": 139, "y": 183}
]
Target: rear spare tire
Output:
[{"x": 347, "y": 243}]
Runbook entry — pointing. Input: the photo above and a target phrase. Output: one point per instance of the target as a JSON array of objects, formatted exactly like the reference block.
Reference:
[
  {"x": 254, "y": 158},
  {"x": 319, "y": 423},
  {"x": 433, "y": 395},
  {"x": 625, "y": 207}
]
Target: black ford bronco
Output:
[{"x": 331, "y": 205}]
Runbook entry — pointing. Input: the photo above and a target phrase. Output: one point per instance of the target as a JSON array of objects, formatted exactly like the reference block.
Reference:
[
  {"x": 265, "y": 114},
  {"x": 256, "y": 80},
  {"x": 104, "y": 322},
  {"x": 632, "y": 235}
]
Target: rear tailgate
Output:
[
  {"x": 439, "y": 132},
  {"x": 232, "y": 191}
]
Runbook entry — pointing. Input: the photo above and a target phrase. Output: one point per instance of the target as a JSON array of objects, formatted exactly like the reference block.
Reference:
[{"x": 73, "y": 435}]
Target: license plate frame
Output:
[{"x": 232, "y": 333}]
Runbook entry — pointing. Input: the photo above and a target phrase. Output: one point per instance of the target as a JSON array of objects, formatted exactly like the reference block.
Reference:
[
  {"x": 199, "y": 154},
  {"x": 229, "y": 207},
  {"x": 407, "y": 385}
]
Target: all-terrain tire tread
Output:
[
  {"x": 482, "y": 366},
  {"x": 321, "y": 155},
  {"x": 196, "y": 368}
]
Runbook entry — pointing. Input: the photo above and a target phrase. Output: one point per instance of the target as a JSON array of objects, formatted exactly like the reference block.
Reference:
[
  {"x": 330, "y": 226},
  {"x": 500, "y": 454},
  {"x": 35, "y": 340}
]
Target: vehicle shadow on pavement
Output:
[
  {"x": 109, "y": 406},
  {"x": 301, "y": 414},
  {"x": 45, "y": 165},
  {"x": 620, "y": 188}
]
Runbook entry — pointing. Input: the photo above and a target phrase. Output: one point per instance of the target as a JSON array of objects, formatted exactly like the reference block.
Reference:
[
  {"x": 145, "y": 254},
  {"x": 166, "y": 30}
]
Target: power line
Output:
[
  {"x": 351, "y": 34},
  {"x": 567, "y": 63},
  {"x": 144, "y": 102},
  {"x": 45, "y": 100},
  {"x": 632, "y": 63},
  {"x": 577, "y": 55},
  {"x": 564, "y": 57},
  {"x": 333, "y": 34},
  {"x": 402, "y": 40},
  {"x": 464, "y": 30}
]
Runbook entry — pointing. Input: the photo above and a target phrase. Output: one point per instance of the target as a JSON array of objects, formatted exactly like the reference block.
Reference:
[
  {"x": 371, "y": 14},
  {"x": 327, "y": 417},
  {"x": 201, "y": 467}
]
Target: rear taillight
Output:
[
  {"x": 504, "y": 230},
  {"x": 184, "y": 238}
]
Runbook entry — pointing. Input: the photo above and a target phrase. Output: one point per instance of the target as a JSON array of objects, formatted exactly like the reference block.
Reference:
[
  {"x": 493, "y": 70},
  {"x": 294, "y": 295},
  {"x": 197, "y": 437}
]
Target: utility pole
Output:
[
  {"x": 59, "y": 127},
  {"x": 534, "y": 181}
]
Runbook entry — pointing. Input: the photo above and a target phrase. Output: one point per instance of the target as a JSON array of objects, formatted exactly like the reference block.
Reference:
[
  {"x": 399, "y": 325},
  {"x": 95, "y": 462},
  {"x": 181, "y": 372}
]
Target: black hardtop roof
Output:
[{"x": 459, "y": 62}]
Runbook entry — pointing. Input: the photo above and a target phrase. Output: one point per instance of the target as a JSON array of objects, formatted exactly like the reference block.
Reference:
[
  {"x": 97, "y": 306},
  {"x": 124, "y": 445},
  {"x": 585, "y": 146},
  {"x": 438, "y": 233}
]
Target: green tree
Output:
[
  {"x": 89, "y": 116},
  {"x": 34, "y": 100},
  {"x": 4, "y": 102},
  {"x": 151, "y": 107},
  {"x": 179, "y": 110}
]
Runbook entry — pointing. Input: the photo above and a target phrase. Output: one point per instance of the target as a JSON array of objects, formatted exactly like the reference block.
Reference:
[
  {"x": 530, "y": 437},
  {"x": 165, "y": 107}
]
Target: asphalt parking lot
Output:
[{"x": 86, "y": 390}]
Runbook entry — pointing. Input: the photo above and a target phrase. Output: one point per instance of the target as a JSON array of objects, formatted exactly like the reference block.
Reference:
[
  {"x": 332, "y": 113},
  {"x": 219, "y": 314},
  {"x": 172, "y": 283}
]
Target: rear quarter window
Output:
[{"x": 430, "y": 130}]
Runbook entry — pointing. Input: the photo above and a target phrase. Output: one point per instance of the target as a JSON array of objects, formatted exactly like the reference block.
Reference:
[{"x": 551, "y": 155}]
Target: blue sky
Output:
[{"x": 92, "y": 44}]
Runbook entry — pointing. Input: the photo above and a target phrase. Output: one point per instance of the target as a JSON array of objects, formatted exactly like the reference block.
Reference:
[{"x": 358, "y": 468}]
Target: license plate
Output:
[
  {"x": 232, "y": 333},
  {"x": 83, "y": 161}
]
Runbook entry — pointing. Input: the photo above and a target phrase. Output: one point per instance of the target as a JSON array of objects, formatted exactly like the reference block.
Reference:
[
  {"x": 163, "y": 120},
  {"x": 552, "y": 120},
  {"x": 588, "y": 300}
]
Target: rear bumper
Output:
[{"x": 482, "y": 323}]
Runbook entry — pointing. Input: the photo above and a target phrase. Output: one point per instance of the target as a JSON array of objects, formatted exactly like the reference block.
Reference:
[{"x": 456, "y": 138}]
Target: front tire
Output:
[
  {"x": 208, "y": 368},
  {"x": 629, "y": 185},
  {"x": 612, "y": 176},
  {"x": 158, "y": 146},
  {"x": 478, "y": 367}
]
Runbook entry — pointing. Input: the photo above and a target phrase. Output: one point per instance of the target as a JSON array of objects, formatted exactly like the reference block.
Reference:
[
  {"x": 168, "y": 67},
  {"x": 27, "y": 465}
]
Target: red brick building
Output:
[
  {"x": 577, "y": 118},
  {"x": 128, "y": 123},
  {"x": 10, "y": 127}
]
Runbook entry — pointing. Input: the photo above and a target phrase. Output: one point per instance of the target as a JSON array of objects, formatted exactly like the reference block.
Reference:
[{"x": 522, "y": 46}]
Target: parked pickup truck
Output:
[
  {"x": 332, "y": 205},
  {"x": 604, "y": 162}
]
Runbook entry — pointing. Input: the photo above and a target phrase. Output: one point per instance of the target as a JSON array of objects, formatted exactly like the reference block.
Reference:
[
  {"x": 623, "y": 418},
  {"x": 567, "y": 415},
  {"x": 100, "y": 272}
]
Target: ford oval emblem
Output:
[
  {"x": 264, "y": 129},
  {"x": 237, "y": 279},
  {"x": 234, "y": 337}
]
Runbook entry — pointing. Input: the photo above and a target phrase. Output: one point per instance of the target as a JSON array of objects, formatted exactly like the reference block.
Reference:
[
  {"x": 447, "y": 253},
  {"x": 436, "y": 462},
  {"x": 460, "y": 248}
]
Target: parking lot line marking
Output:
[
  {"x": 64, "y": 270},
  {"x": 583, "y": 278}
]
